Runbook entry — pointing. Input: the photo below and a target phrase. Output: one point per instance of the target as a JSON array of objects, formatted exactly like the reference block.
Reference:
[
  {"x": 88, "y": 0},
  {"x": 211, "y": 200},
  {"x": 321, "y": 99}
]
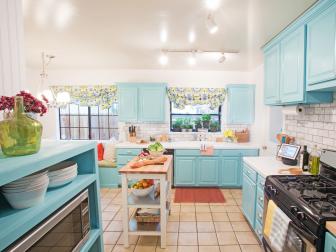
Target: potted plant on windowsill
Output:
[
  {"x": 187, "y": 125},
  {"x": 177, "y": 125},
  {"x": 198, "y": 124},
  {"x": 214, "y": 126},
  {"x": 206, "y": 118}
]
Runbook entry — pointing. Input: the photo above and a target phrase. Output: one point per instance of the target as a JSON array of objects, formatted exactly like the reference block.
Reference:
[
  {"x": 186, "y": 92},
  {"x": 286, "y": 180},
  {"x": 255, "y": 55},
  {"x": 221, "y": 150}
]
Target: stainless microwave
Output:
[{"x": 65, "y": 230}]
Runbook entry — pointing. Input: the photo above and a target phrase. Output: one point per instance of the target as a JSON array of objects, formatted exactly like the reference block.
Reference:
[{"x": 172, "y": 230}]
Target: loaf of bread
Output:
[{"x": 155, "y": 161}]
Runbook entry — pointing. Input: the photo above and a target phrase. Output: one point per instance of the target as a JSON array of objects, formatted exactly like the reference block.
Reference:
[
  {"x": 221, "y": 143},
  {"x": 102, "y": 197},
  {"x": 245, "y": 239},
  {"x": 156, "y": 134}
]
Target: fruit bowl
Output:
[{"x": 142, "y": 192}]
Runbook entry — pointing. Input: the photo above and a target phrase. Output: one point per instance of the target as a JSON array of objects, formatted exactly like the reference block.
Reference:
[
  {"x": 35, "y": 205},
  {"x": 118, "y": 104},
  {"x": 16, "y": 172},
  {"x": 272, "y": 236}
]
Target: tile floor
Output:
[{"x": 191, "y": 227}]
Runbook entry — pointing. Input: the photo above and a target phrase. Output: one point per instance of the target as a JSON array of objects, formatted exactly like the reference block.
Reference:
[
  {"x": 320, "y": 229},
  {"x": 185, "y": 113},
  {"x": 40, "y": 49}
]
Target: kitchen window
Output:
[
  {"x": 88, "y": 122},
  {"x": 190, "y": 118}
]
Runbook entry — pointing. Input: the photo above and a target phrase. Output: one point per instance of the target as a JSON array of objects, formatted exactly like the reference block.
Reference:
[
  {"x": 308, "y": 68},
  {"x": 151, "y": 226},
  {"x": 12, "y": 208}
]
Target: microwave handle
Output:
[{"x": 32, "y": 237}]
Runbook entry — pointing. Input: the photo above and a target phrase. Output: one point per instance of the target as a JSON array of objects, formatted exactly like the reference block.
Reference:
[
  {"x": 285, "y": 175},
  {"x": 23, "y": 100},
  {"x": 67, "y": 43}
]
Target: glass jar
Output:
[{"x": 20, "y": 134}]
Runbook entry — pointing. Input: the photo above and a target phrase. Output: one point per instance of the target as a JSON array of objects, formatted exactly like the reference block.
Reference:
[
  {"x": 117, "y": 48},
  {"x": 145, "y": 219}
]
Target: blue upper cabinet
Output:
[
  {"x": 128, "y": 103},
  {"x": 141, "y": 102},
  {"x": 292, "y": 67},
  {"x": 152, "y": 102},
  {"x": 321, "y": 50},
  {"x": 272, "y": 75},
  {"x": 238, "y": 95}
]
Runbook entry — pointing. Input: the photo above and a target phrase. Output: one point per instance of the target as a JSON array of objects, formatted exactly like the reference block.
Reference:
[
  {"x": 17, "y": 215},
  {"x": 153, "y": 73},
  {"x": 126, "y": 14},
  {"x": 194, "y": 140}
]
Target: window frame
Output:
[
  {"x": 89, "y": 127},
  {"x": 219, "y": 115}
]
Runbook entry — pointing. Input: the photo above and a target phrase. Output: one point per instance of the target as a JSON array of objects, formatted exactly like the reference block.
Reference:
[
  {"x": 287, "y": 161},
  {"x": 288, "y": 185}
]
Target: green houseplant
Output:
[
  {"x": 177, "y": 125},
  {"x": 206, "y": 118},
  {"x": 214, "y": 126},
  {"x": 187, "y": 125},
  {"x": 198, "y": 123}
]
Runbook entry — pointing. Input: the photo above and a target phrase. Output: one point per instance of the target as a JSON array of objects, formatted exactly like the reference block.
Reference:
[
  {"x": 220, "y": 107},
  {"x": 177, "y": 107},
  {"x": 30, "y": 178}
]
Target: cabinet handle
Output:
[
  {"x": 260, "y": 216},
  {"x": 261, "y": 198},
  {"x": 259, "y": 232}
]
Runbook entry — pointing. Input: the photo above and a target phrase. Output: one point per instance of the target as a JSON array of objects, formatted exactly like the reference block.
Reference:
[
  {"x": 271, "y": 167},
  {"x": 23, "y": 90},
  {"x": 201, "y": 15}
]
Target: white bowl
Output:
[
  {"x": 26, "y": 199},
  {"x": 61, "y": 182},
  {"x": 142, "y": 192},
  {"x": 156, "y": 153},
  {"x": 63, "y": 171}
]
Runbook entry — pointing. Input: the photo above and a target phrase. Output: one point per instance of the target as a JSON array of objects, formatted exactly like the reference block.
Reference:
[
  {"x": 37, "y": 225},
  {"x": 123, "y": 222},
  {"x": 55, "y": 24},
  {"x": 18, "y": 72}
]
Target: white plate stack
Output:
[
  {"x": 28, "y": 191},
  {"x": 62, "y": 173}
]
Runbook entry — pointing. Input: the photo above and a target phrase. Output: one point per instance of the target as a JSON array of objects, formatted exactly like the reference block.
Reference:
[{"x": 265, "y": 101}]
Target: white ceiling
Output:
[{"x": 126, "y": 33}]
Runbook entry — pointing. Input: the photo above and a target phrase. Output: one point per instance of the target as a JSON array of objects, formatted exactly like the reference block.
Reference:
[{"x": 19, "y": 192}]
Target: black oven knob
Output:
[
  {"x": 271, "y": 190},
  {"x": 301, "y": 216},
  {"x": 294, "y": 209}
]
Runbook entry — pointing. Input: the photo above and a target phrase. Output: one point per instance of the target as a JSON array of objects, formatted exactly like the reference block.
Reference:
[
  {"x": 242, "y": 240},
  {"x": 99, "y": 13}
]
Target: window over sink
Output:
[{"x": 193, "y": 117}]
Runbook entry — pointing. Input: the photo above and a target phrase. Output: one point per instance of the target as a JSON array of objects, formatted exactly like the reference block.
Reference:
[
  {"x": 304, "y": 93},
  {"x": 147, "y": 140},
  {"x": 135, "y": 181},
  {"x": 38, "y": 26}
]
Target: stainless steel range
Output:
[{"x": 309, "y": 201}]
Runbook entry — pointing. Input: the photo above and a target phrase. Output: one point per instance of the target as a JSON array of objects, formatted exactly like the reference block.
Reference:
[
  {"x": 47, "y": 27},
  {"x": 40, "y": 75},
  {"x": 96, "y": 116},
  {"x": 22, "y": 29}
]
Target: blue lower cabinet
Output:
[
  {"x": 185, "y": 171},
  {"x": 231, "y": 172},
  {"x": 109, "y": 177},
  {"x": 259, "y": 230},
  {"x": 249, "y": 199},
  {"x": 330, "y": 243},
  {"x": 207, "y": 174}
]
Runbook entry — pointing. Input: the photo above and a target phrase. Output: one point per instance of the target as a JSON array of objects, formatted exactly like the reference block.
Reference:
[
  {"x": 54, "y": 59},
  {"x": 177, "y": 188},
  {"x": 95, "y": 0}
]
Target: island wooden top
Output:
[
  {"x": 149, "y": 169},
  {"x": 331, "y": 227}
]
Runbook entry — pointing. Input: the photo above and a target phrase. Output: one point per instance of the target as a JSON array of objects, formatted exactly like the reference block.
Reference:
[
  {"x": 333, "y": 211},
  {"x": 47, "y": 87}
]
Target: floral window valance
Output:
[
  {"x": 196, "y": 96},
  {"x": 103, "y": 96}
]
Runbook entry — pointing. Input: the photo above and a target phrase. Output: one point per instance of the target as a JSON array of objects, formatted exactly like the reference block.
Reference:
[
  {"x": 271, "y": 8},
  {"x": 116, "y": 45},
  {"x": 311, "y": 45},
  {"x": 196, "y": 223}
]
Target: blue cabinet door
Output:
[
  {"x": 231, "y": 172},
  {"x": 152, "y": 100},
  {"x": 128, "y": 103},
  {"x": 185, "y": 171},
  {"x": 272, "y": 75},
  {"x": 292, "y": 67},
  {"x": 321, "y": 48},
  {"x": 239, "y": 95},
  {"x": 207, "y": 174},
  {"x": 249, "y": 199},
  {"x": 330, "y": 243}
]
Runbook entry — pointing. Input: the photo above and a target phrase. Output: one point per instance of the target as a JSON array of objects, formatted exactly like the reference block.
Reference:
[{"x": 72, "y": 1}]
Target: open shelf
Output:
[
  {"x": 93, "y": 236},
  {"x": 20, "y": 221},
  {"x": 143, "y": 202},
  {"x": 136, "y": 228}
]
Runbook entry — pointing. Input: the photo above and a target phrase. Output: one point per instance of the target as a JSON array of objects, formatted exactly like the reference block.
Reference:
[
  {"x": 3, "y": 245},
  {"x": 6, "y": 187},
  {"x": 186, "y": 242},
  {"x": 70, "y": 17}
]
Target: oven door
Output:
[{"x": 297, "y": 241}]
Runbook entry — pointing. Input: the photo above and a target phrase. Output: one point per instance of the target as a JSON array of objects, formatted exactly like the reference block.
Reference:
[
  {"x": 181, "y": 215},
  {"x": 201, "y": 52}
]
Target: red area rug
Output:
[{"x": 198, "y": 195}]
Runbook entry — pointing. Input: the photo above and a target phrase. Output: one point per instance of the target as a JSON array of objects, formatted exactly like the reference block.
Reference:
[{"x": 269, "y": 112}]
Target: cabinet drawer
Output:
[
  {"x": 252, "y": 174},
  {"x": 231, "y": 153},
  {"x": 261, "y": 182},
  {"x": 193, "y": 152},
  {"x": 130, "y": 152},
  {"x": 122, "y": 160},
  {"x": 259, "y": 214},
  {"x": 259, "y": 230},
  {"x": 250, "y": 153},
  {"x": 260, "y": 197}
]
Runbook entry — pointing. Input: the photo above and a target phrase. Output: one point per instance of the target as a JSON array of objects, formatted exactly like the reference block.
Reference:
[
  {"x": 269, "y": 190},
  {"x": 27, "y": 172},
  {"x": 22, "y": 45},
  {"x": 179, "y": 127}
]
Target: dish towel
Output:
[
  {"x": 269, "y": 217},
  {"x": 279, "y": 230}
]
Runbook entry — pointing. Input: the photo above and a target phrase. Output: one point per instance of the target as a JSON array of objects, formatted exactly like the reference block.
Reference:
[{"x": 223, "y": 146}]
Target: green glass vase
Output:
[{"x": 20, "y": 134}]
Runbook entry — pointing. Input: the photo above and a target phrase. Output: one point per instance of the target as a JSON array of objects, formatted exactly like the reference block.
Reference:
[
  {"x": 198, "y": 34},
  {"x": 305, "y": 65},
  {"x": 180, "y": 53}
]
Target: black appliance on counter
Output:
[{"x": 309, "y": 201}]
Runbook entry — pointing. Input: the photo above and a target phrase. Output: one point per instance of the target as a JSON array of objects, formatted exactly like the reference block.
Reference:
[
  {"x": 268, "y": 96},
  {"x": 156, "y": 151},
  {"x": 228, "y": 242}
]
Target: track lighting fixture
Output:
[
  {"x": 211, "y": 24},
  {"x": 192, "y": 59},
  {"x": 163, "y": 59},
  {"x": 222, "y": 58}
]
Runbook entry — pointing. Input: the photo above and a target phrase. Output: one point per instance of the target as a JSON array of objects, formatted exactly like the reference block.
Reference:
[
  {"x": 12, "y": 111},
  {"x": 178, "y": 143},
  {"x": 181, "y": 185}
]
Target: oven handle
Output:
[
  {"x": 31, "y": 238},
  {"x": 311, "y": 238}
]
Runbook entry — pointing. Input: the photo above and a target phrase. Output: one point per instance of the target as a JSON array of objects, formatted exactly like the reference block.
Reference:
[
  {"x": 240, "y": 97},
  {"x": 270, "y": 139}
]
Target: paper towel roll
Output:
[{"x": 293, "y": 110}]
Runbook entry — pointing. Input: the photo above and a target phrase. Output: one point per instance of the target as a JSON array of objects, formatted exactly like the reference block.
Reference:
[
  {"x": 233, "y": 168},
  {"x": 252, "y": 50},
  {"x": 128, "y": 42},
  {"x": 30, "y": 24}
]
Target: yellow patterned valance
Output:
[
  {"x": 196, "y": 96},
  {"x": 100, "y": 95}
]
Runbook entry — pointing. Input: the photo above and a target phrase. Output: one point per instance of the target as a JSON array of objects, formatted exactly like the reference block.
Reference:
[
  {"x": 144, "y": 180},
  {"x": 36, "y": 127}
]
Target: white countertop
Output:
[
  {"x": 192, "y": 145},
  {"x": 265, "y": 165}
]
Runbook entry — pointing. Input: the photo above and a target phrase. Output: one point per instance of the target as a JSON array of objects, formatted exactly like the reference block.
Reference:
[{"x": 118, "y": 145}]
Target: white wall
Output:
[{"x": 11, "y": 47}]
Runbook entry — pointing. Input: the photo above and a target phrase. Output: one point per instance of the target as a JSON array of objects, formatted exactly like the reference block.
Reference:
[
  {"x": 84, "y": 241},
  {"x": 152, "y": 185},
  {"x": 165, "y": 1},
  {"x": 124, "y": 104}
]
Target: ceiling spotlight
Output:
[
  {"x": 211, "y": 24},
  {"x": 192, "y": 37},
  {"x": 222, "y": 58},
  {"x": 212, "y": 4},
  {"x": 163, "y": 59},
  {"x": 192, "y": 59},
  {"x": 163, "y": 35}
]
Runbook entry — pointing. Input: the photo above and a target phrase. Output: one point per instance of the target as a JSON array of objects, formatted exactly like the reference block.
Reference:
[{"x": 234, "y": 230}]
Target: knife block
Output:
[{"x": 132, "y": 139}]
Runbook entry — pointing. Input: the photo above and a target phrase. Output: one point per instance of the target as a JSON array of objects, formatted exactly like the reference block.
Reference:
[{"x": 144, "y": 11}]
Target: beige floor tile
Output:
[
  {"x": 201, "y": 204},
  {"x": 105, "y": 224},
  {"x": 230, "y": 248},
  {"x": 216, "y": 204},
  {"x": 187, "y": 239},
  {"x": 230, "y": 202},
  {"x": 173, "y": 226},
  {"x": 171, "y": 239},
  {"x": 187, "y": 204},
  {"x": 148, "y": 240},
  {"x": 247, "y": 238},
  {"x": 187, "y": 209},
  {"x": 208, "y": 249},
  {"x": 203, "y": 217},
  {"x": 232, "y": 209},
  {"x": 115, "y": 226},
  {"x": 132, "y": 239},
  {"x": 240, "y": 226},
  {"x": 174, "y": 217},
  {"x": 187, "y": 249},
  {"x": 111, "y": 238},
  {"x": 108, "y": 248},
  {"x": 187, "y": 217},
  {"x": 175, "y": 209},
  {"x": 113, "y": 207},
  {"x": 145, "y": 248},
  {"x": 226, "y": 238},
  {"x": 118, "y": 216},
  {"x": 188, "y": 227},
  {"x": 223, "y": 226},
  {"x": 217, "y": 209},
  {"x": 239, "y": 202},
  {"x": 251, "y": 248},
  {"x": 108, "y": 215},
  {"x": 205, "y": 227},
  {"x": 167, "y": 249},
  {"x": 220, "y": 217},
  {"x": 202, "y": 209},
  {"x": 236, "y": 217},
  {"x": 121, "y": 248},
  {"x": 207, "y": 239}
]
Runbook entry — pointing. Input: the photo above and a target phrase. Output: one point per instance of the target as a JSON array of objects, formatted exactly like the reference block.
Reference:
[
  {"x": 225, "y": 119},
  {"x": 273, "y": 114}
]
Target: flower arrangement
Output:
[
  {"x": 31, "y": 103},
  {"x": 230, "y": 135}
]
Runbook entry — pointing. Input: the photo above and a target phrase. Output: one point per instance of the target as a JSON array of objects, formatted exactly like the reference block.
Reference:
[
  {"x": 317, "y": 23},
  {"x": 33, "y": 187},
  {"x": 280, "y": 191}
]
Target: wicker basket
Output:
[
  {"x": 146, "y": 218},
  {"x": 243, "y": 136}
]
